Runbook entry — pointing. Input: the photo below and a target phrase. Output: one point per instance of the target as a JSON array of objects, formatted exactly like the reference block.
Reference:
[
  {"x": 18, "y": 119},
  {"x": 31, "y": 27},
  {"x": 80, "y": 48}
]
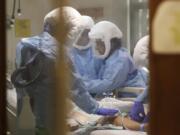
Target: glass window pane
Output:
[{"x": 32, "y": 98}]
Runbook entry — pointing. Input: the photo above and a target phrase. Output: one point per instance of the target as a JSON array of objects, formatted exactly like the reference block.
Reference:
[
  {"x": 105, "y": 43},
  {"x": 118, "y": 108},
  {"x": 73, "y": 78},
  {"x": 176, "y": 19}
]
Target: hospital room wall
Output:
[
  {"x": 113, "y": 10},
  {"x": 35, "y": 10}
]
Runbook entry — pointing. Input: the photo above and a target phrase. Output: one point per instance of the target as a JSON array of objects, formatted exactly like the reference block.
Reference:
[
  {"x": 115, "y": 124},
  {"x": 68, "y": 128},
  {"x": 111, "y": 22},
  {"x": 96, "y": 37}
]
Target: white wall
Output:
[{"x": 35, "y": 10}]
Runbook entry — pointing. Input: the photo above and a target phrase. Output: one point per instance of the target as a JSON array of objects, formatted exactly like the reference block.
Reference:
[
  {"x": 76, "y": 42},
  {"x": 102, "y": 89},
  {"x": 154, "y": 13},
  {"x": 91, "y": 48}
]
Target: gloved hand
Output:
[
  {"x": 106, "y": 111},
  {"x": 137, "y": 112},
  {"x": 146, "y": 119}
]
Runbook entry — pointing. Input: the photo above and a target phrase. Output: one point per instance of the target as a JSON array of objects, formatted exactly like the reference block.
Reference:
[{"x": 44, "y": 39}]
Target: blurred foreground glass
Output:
[{"x": 131, "y": 16}]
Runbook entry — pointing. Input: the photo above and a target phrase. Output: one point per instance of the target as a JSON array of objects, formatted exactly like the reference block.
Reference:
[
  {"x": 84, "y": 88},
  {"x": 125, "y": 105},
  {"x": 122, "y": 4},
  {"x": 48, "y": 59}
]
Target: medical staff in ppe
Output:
[
  {"x": 117, "y": 69},
  {"x": 78, "y": 30},
  {"x": 83, "y": 99},
  {"x": 41, "y": 92},
  {"x": 141, "y": 53},
  {"x": 141, "y": 58},
  {"x": 47, "y": 39},
  {"x": 86, "y": 66},
  {"x": 137, "y": 112},
  {"x": 81, "y": 54}
]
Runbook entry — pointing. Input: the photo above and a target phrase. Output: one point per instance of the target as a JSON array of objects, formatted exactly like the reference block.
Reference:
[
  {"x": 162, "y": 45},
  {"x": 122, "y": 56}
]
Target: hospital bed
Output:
[
  {"x": 83, "y": 123},
  {"x": 134, "y": 91},
  {"x": 116, "y": 132},
  {"x": 124, "y": 106}
]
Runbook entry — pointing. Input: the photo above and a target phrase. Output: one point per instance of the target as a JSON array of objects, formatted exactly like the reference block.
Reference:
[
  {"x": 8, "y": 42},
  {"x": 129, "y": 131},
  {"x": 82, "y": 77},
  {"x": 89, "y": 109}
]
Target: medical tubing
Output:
[
  {"x": 13, "y": 11},
  {"x": 19, "y": 7},
  {"x": 142, "y": 127},
  {"x": 19, "y": 4},
  {"x": 122, "y": 120}
]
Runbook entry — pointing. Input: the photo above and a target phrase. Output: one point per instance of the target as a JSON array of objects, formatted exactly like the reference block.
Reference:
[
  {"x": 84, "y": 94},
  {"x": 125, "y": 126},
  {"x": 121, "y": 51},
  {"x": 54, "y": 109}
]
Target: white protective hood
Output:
[
  {"x": 87, "y": 23},
  {"x": 140, "y": 55},
  {"x": 105, "y": 31},
  {"x": 72, "y": 19}
]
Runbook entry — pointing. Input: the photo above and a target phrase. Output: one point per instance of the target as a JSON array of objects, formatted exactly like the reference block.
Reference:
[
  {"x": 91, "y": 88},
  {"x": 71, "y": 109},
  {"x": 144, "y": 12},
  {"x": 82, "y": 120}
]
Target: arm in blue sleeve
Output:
[
  {"x": 143, "y": 96},
  {"x": 114, "y": 76},
  {"x": 82, "y": 98}
]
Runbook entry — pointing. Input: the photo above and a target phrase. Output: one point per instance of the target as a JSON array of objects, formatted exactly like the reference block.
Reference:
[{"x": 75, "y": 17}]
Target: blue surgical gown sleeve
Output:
[
  {"x": 114, "y": 74},
  {"x": 84, "y": 63},
  {"x": 82, "y": 98},
  {"x": 143, "y": 97}
]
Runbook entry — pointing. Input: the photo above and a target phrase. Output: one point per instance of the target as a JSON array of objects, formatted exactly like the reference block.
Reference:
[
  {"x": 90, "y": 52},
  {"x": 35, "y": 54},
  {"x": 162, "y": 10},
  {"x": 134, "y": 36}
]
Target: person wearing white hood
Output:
[
  {"x": 86, "y": 66},
  {"x": 40, "y": 92},
  {"x": 81, "y": 53},
  {"x": 141, "y": 59},
  {"x": 118, "y": 69},
  {"x": 141, "y": 54},
  {"x": 76, "y": 22}
]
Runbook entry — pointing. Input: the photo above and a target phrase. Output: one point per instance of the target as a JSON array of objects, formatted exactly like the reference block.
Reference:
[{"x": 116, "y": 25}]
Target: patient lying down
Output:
[{"x": 123, "y": 121}]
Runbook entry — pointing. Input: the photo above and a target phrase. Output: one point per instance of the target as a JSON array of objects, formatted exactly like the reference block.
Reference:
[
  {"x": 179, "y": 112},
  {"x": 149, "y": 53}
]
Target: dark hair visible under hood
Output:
[
  {"x": 49, "y": 26},
  {"x": 116, "y": 43}
]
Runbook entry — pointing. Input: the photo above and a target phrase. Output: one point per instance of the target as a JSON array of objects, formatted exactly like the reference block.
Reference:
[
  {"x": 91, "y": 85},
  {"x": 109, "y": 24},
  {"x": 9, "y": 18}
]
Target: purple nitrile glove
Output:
[
  {"x": 137, "y": 112},
  {"x": 106, "y": 111},
  {"x": 146, "y": 119}
]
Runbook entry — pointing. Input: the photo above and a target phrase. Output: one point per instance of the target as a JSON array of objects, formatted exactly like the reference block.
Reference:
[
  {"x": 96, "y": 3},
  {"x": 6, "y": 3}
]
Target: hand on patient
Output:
[
  {"x": 106, "y": 111},
  {"x": 137, "y": 112},
  {"x": 125, "y": 122}
]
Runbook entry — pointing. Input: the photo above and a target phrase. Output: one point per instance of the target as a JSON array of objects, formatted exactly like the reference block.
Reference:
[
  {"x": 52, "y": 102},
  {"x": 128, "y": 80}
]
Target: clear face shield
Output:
[
  {"x": 83, "y": 38},
  {"x": 82, "y": 41},
  {"x": 100, "y": 47},
  {"x": 102, "y": 33}
]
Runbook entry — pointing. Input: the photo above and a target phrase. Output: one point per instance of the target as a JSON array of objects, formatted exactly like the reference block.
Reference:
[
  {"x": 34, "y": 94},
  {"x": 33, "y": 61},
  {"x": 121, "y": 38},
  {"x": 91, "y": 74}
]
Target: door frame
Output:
[
  {"x": 153, "y": 4},
  {"x": 2, "y": 68}
]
